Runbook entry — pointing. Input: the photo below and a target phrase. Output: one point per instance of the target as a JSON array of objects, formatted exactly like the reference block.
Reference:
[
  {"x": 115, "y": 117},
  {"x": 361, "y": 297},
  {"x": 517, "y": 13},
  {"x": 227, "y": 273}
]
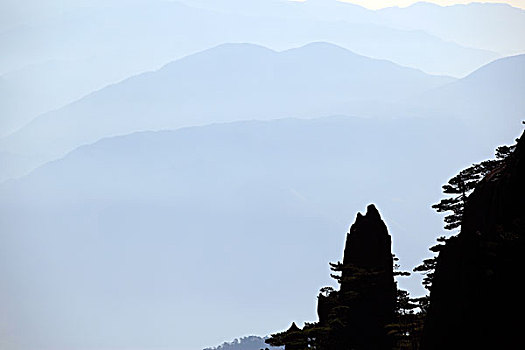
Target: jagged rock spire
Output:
[
  {"x": 355, "y": 316},
  {"x": 368, "y": 243},
  {"x": 368, "y": 290}
]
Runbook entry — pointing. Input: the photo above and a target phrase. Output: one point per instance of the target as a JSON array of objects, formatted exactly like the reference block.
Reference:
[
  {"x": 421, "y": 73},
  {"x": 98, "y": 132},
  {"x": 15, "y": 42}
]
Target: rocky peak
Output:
[
  {"x": 368, "y": 243},
  {"x": 355, "y": 316}
]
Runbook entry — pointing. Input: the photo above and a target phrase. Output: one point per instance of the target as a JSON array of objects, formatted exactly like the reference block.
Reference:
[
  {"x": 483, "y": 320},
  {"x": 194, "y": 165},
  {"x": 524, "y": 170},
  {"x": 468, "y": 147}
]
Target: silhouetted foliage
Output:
[
  {"x": 293, "y": 339},
  {"x": 407, "y": 327},
  {"x": 474, "y": 298},
  {"x": 459, "y": 186},
  {"x": 245, "y": 343},
  {"x": 356, "y": 315},
  {"x": 370, "y": 312},
  {"x": 396, "y": 267},
  {"x": 428, "y": 266}
]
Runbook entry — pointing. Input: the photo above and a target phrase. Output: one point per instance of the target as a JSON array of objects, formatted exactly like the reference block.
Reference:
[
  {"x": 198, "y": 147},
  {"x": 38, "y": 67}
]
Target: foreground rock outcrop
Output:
[
  {"x": 477, "y": 299},
  {"x": 367, "y": 293},
  {"x": 355, "y": 316}
]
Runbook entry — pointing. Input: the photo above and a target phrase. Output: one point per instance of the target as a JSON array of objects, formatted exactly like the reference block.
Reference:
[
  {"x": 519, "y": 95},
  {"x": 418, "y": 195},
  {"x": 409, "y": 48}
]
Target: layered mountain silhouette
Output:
[
  {"x": 44, "y": 67},
  {"x": 226, "y": 83},
  {"x": 473, "y": 25},
  {"x": 42, "y": 53},
  {"x": 152, "y": 31},
  {"x": 490, "y": 99},
  {"x": 488, "y": 26},
  {"x": 241, "y": 81},
  {"x": 484, "y": 26},
  {"x": 27, "y": 92}
]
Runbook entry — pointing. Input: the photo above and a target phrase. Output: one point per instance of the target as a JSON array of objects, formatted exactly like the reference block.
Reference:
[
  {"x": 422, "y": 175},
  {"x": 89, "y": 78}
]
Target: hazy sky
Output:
[{"x": 375, "y": 4}]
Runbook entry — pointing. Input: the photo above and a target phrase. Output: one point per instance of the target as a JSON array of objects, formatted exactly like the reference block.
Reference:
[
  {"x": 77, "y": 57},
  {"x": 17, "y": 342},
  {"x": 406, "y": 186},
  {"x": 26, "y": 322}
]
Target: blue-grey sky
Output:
[{"x": 378, "y": 4}]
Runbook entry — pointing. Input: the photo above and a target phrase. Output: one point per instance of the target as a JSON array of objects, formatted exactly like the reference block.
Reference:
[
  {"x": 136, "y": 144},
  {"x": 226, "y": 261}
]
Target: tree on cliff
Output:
[
  {"x": 459, "y": 187},
  {"x": 408, "y": 324},
  {"x": 474, "y": 299}
]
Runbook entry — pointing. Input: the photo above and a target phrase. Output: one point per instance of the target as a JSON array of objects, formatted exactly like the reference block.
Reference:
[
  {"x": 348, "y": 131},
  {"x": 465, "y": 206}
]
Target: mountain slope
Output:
[
  {"x": 152, "y": 32},
  {"x": 228, "y": 82},
  {"x": 66, "y": 54},
  {"x": 491, "y": 98},
  {"x": 488, "y": 26},
  {"x": 36, "y": 89}
]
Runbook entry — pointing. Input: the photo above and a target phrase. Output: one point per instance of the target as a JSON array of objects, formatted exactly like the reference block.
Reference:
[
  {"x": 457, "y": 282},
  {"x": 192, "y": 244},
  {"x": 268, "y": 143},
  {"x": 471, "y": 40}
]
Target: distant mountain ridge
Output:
[
  {"x": 481, "y": 25},
  {"x": 89, "y": 53},
  {"x": 226, "y": 83},
  {"x": 488, "y": 26},
  {"x": 491, "y": 98},
  {"x": 475, "y": 34},
  {"x": 244, "y": 81}
]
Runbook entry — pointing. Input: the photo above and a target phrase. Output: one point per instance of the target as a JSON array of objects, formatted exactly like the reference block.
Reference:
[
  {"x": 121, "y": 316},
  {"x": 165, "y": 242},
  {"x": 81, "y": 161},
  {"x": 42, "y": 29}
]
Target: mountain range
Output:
[
  {"x": 243, "y": 81},
  {"x": 488, "y": 100},
  {"x": 88, "y": 46},
  {"x": 226, "y": 83}
]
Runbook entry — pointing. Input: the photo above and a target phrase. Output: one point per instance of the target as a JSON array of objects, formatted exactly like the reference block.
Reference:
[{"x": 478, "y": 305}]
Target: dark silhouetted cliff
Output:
[
  {"x": 355, "y": 316},
  {"x": 476, "y": 299},
  {"x": 367, "y": 294}
]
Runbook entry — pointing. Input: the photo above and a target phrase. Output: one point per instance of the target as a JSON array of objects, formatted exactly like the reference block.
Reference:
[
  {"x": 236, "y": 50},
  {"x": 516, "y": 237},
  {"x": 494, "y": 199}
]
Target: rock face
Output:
[
  {"x": 355, "y": 316},
  {"x": 476, "y": 298},
  {"x": 366, "y": 300},
  {"x": 368, "y": 246}
]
